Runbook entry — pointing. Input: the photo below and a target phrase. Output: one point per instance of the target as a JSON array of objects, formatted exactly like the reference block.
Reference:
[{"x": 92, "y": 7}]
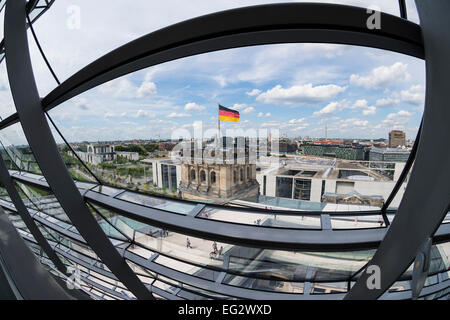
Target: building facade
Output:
[
  {"x": 397, "y": 138},
  {"x": 219, "y": 173},
  {"x": 389, "y": 154}
]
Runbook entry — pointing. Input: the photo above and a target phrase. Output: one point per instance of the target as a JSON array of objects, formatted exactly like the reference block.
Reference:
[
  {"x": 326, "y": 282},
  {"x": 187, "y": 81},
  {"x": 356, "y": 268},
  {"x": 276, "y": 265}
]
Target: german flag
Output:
[{"x": 226, "y": 114}]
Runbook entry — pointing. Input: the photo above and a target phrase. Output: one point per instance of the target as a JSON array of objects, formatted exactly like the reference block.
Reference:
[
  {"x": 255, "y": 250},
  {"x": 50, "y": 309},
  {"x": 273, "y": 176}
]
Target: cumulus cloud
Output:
[
  {"x": 239, "y": 106},
  {"x": 337, "y": 106},
  {"x": 119, "y": 88},
  {"x": 178, "y": 115},
  {"x": 415, "y": 95},
  {"x": 353, "y": 122},
  {"x": 331, "y": 108},
  {"x": 381, "y": 77},
  {"x": 296, "y": 121},
  {"x": 300, "y": 94},
  {"x": 248, "y": 110},
  {"x": 147, "y": 88},
  {"x": 387, "y": 102},
  {"x": 399, "y": 115},
  {"x": 369, "y": 111},
  {"x": 253, "y": 92},
  {"x": 397, "y": 120},
  {"x": 142, "y": 114},
  {"x": 261, "y": 114},
  {"x": 192, "y": 106},
  {"x": 363, "y": 105}
]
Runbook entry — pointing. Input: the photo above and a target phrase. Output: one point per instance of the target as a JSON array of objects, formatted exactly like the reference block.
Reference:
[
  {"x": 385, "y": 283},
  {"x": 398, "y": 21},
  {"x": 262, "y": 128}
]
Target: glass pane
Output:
[
  {"x": 274, "y": 220},
  {"x": 16, "y": 151},
  {"x": 328, "y": 132},
  {"x": 159, "y": 203},
  {"x": 205, "y": 258},
  {"x": 7, "y": 107},
  {"x": 79, "y": 22},
  {"x": 357, "y": 222}
]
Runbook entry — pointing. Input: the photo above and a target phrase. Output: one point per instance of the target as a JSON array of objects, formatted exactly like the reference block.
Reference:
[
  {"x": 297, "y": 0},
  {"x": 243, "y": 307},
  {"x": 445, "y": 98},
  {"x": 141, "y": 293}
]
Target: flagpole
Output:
[{"x": 218, "y": 127}]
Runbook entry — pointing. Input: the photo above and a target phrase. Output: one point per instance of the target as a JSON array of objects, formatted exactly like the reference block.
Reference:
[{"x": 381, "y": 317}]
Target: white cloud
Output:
[
  {"x": 147, "y": 88},
  {"x": 192, "y": 106},
  {"x": 369, "y": 111},
  {"x": 178, "y": 115},
  {"x": 271, "y": 124},
  {"x": 119, "y": 88},
  {"x": 399, "y": 115},
  {"x": 261, "y": 114},
  {"x": 362, "y": 104},
  {"x": 221, "y": 80},
  {"x": 248, "y": 110},
  {"x": 296, "y": 121},
  {"x": 253, "y": 92},
  {"x": 331, "y": 108},
  {"x": 353, "y": 122},
  {"x": 415, "y": 95},
  {"x": 238, "y": 106},
  {"x": 381, "y": 77},
  {"x": 299, "y": 94},
  {"x": 143, "y": 114},
  {"x": 123, "y": 114},
  {"x": 397, "y": 120},
  {"x": 337, "y": 106},
  {"x": 387, "y": 102}
]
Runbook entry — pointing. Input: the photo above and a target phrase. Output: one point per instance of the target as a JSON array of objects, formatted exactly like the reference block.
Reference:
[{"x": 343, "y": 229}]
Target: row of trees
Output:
[{"x": 142, "y": 149}]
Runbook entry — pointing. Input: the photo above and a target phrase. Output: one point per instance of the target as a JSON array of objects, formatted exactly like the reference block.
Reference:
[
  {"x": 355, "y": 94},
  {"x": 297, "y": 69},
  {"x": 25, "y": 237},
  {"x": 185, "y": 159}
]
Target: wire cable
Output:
[{"x": 46, "y": 113}]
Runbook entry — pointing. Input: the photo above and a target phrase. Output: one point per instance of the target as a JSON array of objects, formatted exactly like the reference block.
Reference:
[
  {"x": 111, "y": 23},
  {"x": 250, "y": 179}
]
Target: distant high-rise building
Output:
[{"x": 397, "y": 138}]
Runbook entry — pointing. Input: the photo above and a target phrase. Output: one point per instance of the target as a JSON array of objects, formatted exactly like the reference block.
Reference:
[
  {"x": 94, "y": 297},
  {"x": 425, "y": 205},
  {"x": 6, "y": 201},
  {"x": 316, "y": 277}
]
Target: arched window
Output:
[
  {"x": 202, "y": 176},
  {"x": 192, "y": 174},
  {"x": 213, "y": 177},
  {"x": 235, "y": 176},
  {"x": 242, "y": 174}
]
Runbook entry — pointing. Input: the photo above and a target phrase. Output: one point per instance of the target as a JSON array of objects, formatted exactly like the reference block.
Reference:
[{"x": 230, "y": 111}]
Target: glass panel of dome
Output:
[
  {"x": 261, "y": 218},
  {"x": 195, "y": 257},
  {"x": 357, "y": 222},
  {"x": 16, "y": 151},
  {"x": 330, "y": 152},
  {"x": 7, "y": 107},
  {"x": 157, "y": 202},
  {"x": 79, "y": 21}
]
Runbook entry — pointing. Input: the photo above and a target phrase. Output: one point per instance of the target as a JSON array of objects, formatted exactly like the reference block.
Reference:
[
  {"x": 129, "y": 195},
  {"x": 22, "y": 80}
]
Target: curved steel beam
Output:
[
  {"x": 426, "y": 199},
  {"x": 241, "y": 234},
  {"x": 22, "y": 210},
  {"x": 248, "y": 26},
  {"x": 404, "y": 173},
  {"x": 30, "y": 279},
  {"x": 41, "y": 141}
]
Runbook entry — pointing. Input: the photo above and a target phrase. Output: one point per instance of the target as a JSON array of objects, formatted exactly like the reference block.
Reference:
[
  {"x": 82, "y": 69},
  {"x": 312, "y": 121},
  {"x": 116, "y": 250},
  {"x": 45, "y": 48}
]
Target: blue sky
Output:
[{"x": 296, "y": 88}]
